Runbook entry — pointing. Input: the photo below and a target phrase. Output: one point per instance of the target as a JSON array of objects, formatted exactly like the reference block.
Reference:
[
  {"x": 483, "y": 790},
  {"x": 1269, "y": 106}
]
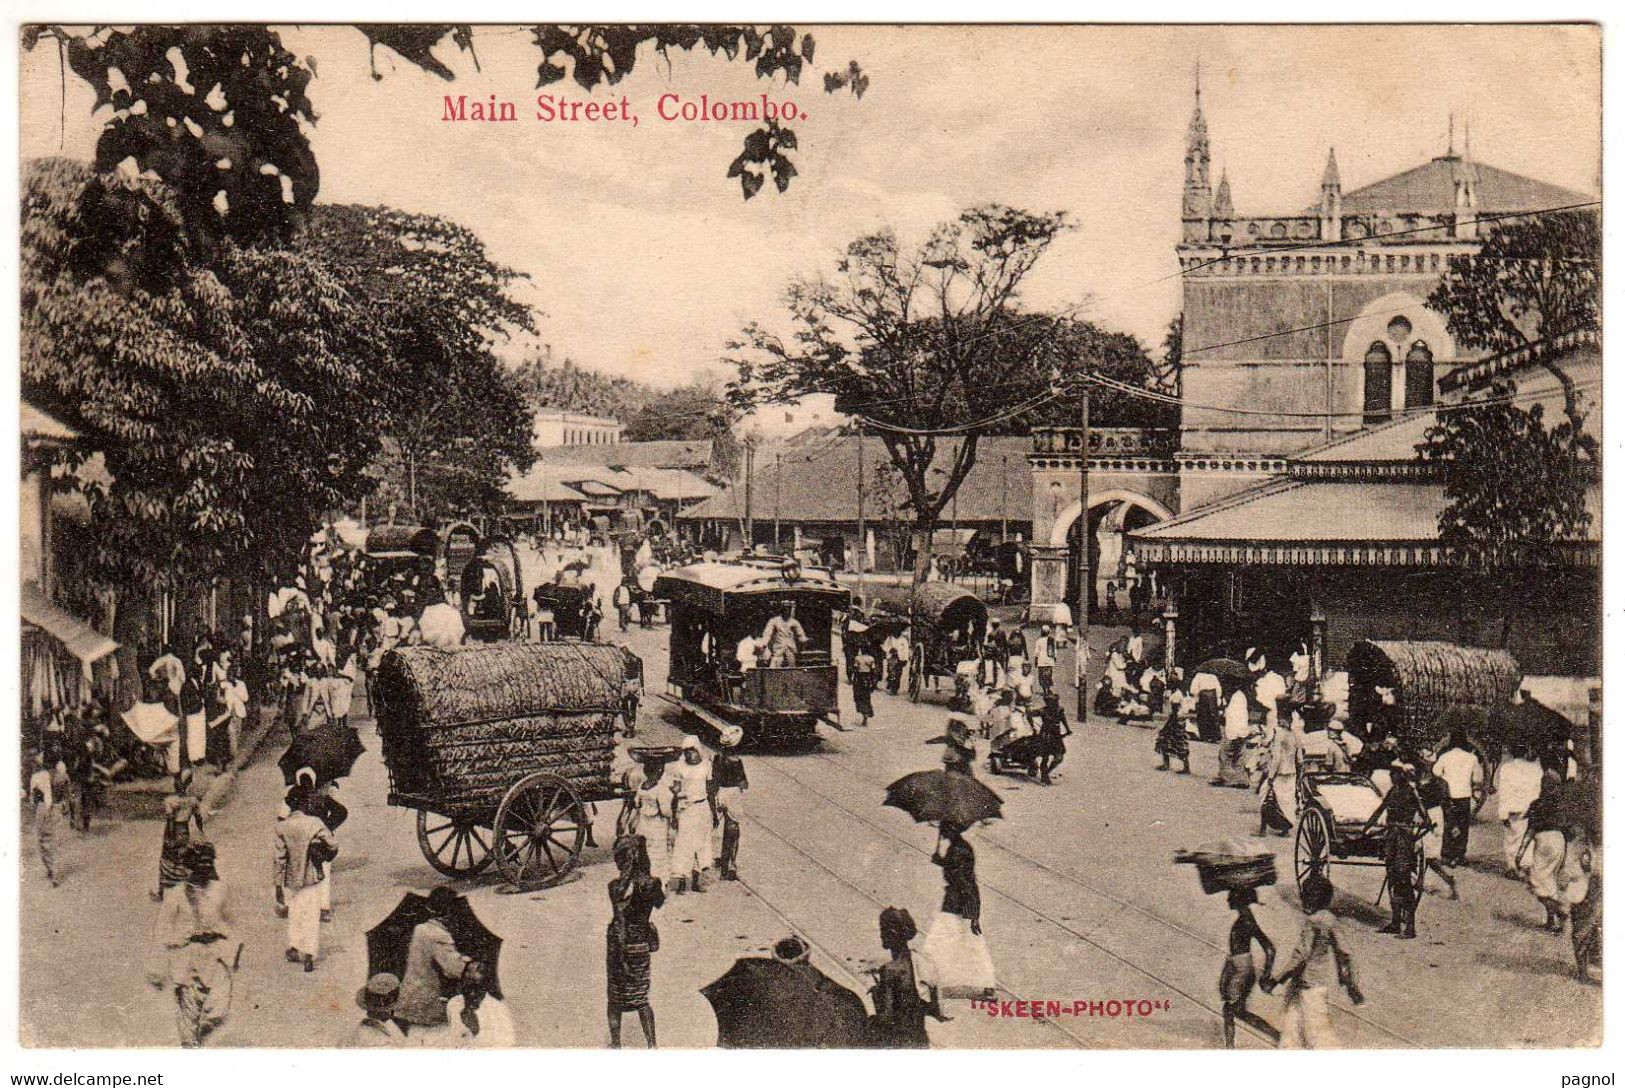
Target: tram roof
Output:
[{"x": 711, "y": 583}]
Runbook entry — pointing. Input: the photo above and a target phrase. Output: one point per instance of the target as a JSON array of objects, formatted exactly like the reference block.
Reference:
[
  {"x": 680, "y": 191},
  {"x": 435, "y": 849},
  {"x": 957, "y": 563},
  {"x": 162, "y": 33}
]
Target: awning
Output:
[
  {"x": 1312, "y": 523},
  {"x": 78, "y": 637}
]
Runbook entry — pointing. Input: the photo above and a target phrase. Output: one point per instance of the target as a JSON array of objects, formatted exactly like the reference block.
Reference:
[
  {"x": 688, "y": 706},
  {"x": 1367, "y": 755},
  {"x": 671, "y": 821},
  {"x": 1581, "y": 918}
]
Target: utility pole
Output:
[
  {"x": 750, "y": 472},
  {"x": 1083, "y": 556},
  {"x": 863, "y": 541},
  {"x": 1004, "y": 499},
  {"x": 778, "y": 471}
]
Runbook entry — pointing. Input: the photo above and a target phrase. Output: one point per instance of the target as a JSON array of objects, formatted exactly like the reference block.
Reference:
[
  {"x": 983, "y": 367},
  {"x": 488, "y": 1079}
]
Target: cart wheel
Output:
[
  {"x": 458, "y": 848},
  {"x": 1312, "y": 852},
  {"x": 540, "y": 827},
  {"x": 916, "y": 666}
]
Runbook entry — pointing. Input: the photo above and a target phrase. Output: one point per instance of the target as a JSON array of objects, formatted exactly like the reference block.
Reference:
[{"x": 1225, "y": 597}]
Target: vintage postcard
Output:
[{"x": 810, "y": 536}]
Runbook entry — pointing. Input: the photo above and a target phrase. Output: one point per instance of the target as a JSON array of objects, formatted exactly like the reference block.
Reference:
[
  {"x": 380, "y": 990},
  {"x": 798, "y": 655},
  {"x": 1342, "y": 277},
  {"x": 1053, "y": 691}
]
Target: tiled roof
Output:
[
  {"x": 666, "y": 453},
  {"x": 1431, "y": 187},
  {"x": 38, "y": 426}
]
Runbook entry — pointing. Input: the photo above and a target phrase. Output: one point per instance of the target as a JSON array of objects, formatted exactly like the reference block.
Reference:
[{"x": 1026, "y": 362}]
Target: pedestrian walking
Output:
[
  {"x": 433, "y": 966},
  {"x": 729, "y": 782},
  {"x": 206, "y": 964},
  {"x": 377, "y": 1000},
  {"x": 1052, "y": 731},
  {"x": 622, "y": 600},
  {"x": 691, "y": 806},
  {"x": 304, "y": 848},
  {"x": 898, "y": 1022},
  {"x": 1558, "y": 850},
  {"x": 1517, "y": 786},
  {"x": 1044, "y": 659},
  {"x": 1433, "y": 794},
  {"x": 1172, "y": 740},
  {"x": 654, "y": 821},
  {"x": 958, "y": 952},
  {"x": 182, "y": 813},
  {"x": 1397, "y": 817},
  {"x": 43, "y": 794},
  {"x": 1318, "y": 963},
  {"x": 1240, "y": 974},
  {"x": 1278, "y": 791},
  {"x": 1238, "y": 727},
  {"x": 994, "y": 656},
  {"x": 631, "y": 938},
  {"x": 865, "y": 678},
  {"x": 1463, "y": 775}
]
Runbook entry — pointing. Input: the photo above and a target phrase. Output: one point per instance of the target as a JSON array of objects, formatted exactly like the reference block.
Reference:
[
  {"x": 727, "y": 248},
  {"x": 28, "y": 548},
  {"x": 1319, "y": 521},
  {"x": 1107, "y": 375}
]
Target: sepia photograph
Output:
[{"x": 819, "y": 536}]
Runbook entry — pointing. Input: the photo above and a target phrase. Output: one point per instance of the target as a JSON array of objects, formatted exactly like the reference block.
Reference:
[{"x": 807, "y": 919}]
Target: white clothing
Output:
[
  {"x": 691, "y": 850},
  {"x": 1459, "y": 769},
  {"x": 958, "y": 960},
  {"x": 746, "y": 654},
  {"x": 1270, "y": 687},
  {"x": 1236, "y": 723},
  {"x": 1205, "y": 681},
  {"x": 1517, "y": 787},
  {"x": 305, "y": 919},
  {"x": 496, "y": 1027},
  {"x": 1044, "y": 652},
  {"x": 441, "y": 626},
  {"x": 1136, "y": 648}
]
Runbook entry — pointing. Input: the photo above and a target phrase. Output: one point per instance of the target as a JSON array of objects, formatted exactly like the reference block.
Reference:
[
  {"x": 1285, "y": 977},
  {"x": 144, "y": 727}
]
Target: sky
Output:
[{"x": 643, "y": 260}]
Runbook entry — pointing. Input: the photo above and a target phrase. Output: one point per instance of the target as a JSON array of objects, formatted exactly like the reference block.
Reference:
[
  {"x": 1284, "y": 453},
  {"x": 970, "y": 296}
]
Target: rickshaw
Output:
[
  {"x": 1333, "y": 807},
  {"x": 492, "y": 592},
  {"x": 568, "y": 603},
  {"x": 947, "y": 623},
  {"x": 715, "y": 606},
  {"x": 1431, "y": 687},
  {"x": 400, "y": 549}
]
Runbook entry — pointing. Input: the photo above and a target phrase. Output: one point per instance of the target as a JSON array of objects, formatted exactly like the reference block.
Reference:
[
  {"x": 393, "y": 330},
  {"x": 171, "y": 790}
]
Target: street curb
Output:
[{"x": 215, "y": 795}]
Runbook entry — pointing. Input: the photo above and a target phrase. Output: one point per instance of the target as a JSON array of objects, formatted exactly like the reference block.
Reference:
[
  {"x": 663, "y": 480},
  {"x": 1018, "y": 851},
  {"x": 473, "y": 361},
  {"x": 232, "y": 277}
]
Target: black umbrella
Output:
[
  {"x": 935, "y": 796},
  {"x": 1230, "y": 673},
  {"x": 762, "y": 1003},
  {"x": 389, "y": 941},
  {"x": 330, "y": 750}
]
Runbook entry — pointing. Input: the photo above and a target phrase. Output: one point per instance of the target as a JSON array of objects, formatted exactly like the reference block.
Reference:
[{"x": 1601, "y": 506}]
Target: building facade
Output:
[{"x": 555, "y": 429}]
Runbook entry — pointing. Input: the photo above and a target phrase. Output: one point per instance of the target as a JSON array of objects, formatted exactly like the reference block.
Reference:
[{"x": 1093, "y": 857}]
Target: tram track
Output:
[{"x": 1025, "y": 859}]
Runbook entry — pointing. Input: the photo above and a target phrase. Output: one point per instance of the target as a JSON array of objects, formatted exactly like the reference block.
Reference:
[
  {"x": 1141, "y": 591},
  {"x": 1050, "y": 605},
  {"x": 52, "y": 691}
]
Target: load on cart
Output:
[{"x": 502, "y": 750}]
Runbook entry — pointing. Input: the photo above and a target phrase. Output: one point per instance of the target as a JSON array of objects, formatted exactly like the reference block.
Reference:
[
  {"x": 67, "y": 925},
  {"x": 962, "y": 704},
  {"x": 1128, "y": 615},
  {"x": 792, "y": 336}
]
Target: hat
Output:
[
  {"x": 956, "y": 733},
  {"x": 441, "y": 899},
  {"x": 1336, "y": 725},
  {"x": 791, "y": 950},
  {"x": 379, "y": 994},
  {"x": 731, "y": 736}
]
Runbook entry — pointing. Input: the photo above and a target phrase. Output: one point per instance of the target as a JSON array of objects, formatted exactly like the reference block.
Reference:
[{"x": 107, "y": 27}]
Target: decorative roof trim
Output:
[{"x": 1476, "y": 374}]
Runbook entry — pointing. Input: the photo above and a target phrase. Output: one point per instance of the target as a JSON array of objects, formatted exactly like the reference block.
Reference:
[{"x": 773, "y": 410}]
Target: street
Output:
[{"x": 1081, "y": 903}]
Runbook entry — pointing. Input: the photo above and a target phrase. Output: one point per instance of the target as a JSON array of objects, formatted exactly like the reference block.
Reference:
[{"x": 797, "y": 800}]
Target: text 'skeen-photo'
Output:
[{"x": 825, "y": 536}]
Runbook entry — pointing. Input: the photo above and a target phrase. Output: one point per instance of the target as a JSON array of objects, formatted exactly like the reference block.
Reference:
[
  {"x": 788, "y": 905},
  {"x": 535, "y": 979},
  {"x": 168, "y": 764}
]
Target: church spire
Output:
[
  {"x": 1198, "y": 192},
  {"x": 1331, "y": 199},
  {"x": 1223, "y": 208},
  {"x": 1330, "y": 180}
]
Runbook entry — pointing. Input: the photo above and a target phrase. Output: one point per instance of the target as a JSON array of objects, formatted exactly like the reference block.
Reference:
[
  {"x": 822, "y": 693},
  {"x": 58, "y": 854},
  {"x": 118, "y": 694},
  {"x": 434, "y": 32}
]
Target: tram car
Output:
[{"x": 715, "y": 606}]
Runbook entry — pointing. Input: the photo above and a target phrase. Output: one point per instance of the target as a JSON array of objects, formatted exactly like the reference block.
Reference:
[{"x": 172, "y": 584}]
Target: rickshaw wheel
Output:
[
  {"x": 540, "y": 827},
  {"x": 1312, "y": 850},
  {"x": 916, "y": 669},
  {"x": 457, "y": 848},
  {"x": 1419, "y": 862}
]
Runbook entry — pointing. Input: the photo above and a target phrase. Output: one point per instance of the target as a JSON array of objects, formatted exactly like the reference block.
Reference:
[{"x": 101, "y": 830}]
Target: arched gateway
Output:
[{"x": 1133, "y": 482}]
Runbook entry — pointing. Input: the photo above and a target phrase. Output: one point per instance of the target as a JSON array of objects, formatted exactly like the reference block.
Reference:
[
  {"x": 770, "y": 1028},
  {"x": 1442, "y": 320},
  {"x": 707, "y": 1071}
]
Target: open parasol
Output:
[
  {"x": 389, "y": 941},
  {"x": 330, "y": 750},
  {"x": 936, "y": 796},
  {"x": 763, "y": 1003},
  {"x": 1230, "y": 673},
  {"x": 153, "y": 723}
]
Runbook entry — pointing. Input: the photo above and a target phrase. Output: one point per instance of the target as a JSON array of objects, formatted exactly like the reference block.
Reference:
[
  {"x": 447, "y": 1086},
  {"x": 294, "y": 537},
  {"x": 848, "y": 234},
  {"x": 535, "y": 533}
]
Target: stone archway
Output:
[{"x": 1113, "y": 513}]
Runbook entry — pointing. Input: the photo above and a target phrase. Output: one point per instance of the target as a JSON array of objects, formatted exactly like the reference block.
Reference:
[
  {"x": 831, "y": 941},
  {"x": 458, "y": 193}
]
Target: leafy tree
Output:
[
  {"x": 1080, "y": 347},
  {"x": 563, "y": 385},
  {"x": 1534, "y": 278},
  {"x": 221, "y": 113},
  {"x": 457, "y": 420},
  {"x": 229, "y": 400},
  {"x": 920, "y": 342},
  {"x": 694, "y": 411},
  {"x": 1515, "y": 487},
  {"x": 1170, "y": 374}
]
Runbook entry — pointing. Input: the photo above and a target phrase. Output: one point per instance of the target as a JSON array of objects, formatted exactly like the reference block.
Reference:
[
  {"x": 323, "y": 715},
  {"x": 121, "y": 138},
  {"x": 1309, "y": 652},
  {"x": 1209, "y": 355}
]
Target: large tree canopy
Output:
[
  {"x": 1516, "y": 487},
  {"x": 458, "y": 421},
  {"x": 221, "y": 113},
  {"x": 924, "y": 341},
  {"x": 231, "y": 401}
]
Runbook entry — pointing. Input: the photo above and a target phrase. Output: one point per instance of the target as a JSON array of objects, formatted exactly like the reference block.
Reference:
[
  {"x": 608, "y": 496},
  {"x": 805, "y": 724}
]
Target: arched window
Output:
[
  {"x": 1379, "y": 382},
  {"x": 1419, "y": 375}
]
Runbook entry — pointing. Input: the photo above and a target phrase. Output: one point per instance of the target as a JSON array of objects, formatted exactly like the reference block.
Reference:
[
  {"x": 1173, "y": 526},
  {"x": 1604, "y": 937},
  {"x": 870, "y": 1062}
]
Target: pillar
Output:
[
  {"x": 1170, "y": 626},
  {"x": 1317, "y": 648}
]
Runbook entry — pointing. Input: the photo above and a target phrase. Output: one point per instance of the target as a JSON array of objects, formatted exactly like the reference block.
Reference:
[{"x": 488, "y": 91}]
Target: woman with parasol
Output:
[
  {"x": 631, "y": 939},
  {"x": 955, "y": 945}
]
